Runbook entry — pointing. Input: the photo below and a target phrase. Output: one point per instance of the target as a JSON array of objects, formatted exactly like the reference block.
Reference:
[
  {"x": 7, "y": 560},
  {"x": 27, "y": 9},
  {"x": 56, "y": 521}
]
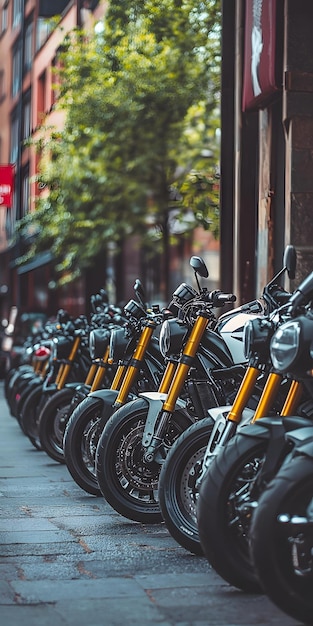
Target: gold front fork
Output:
[
  {"x": 91, "y": 373},
  {"x": 119, "y": 377},
  {"x": 185, "y": 363},
  {"x": 133, "y": 368},
  {"x": 293, "y": 398},
  {"x": 167, "y": 377},
  {"x": 243, "y": 394},
  {"x": 100, "y": 372},
  {"x": 67, "y": 366},
  {"x": 268, "y": 396}
]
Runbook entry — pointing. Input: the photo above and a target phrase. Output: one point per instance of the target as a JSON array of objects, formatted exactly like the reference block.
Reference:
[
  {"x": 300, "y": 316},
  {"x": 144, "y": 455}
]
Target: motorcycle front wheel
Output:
[
  {"x": 223, "y": 510},
  {"x": 127, "y": 482},
  {"x": 52, "y": 423},
  {"x": 178, "y": 484},
  {"x": 30, "y": 413},
  {"x": 282, "y": 552},
  {"x": 80, "y": 442}
]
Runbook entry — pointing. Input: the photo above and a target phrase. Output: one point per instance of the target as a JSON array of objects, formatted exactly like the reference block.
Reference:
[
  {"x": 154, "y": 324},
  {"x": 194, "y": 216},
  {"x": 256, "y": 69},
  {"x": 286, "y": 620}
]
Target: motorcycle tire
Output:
[
  {"x": 178, "y": 489},
  {"x": 223, "y": 517},
  {"x": 52, "y": 423},
  {"x": 289, "y": 493},
  {"x": 19, "y": 384},
  {"x": 127, "y": 483},
  {"x": 12, "y": 375},
  {"x": 30, "y": 415},
  {"x": 32, "y": 384},
  {"x": 79, "y": 443}
]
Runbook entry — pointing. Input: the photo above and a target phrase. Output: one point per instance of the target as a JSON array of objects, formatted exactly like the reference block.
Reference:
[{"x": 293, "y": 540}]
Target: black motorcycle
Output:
[
  {"x": 235, "y": 480},
  {"x": 281, "y": 531}
]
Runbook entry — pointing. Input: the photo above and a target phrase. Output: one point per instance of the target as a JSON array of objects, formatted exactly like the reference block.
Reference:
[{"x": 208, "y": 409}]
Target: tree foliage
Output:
[{"x": 140, "y": 95}]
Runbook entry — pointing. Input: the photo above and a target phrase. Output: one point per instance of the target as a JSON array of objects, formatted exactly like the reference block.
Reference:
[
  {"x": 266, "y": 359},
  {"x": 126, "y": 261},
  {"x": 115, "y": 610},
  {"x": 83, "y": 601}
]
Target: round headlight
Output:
[
  {"x": 98, "y": 342},
  {"x": 134, "y": 309},
  {"x": 184, "y": 293},
  {"x": 172, "y": 334},
  {"x": 63, "y": 346},
  {"x": 257, "y": 334},
  {"x": 120, "y": 344},
  {"x": 285, "y": 346}
]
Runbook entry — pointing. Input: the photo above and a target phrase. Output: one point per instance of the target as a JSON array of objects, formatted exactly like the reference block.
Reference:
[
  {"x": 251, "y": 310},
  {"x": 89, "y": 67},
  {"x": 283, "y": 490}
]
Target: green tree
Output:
[{"x": 140, "y": 97}]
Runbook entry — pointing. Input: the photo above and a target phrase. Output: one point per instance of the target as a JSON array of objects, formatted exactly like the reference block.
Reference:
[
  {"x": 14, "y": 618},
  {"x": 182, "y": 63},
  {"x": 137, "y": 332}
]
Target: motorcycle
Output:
[
  {"x": 34, "y": 369},
  {"x": 281, "y": 533},
  {"x": 135, "y": 348},
  {"x": 69, "y": 361},
  {"x": 137, "y": 437},
  {"x": 281, "y": 530},
  {"x": 182, "y": 470},
  {"x": 237, "y": 477}
]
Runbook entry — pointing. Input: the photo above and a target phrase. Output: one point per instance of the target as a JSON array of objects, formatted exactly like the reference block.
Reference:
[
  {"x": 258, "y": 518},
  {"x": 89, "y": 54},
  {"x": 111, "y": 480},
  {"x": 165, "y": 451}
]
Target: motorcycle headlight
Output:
[
  {"x": 63, "y": 347},
  {"x": 99, "y": 339},
  {"x": 120, "y": 344},
  {"x": 134, "y": 309},
  {"x": 285, "y": 346},
  {"x": 257, "y": 335},
  {"x": 184, "y": 293},
  {"x": 172, "y": 334}
]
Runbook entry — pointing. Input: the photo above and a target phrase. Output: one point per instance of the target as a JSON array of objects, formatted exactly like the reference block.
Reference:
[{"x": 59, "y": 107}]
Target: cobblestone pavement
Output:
[{"x": 67, "y": 558}]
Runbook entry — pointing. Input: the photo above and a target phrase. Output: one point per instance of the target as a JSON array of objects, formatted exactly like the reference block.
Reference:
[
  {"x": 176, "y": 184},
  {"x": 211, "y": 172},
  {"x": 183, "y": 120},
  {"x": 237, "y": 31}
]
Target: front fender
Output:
[
  {"x": 293, "y": 428},
  {"x": 81, "y": 387},
  {"x": 301, "y": 437},
  {"x": 155, "y": 401},
  {"x": 222, "y": 430},
  {"x": 264, "y": 428},
  {"x": 108, "y": 398}
]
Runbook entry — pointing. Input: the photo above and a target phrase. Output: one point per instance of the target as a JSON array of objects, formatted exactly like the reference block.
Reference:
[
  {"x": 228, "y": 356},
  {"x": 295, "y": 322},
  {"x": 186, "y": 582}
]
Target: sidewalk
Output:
[{"x": 66, "y": 558}]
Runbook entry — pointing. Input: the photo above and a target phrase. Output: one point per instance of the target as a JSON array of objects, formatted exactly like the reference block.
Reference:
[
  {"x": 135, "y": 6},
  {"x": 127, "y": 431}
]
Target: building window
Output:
[
  {"x": 43, "y": 30},
  {"x": 16, "y": 69},
  {"x": 27, "y": 116},
  {"x": 25, "y": 191},
  {"x": 17, "y": 13},
  {"x": 41, "y": 97},
  {"x": 28, "y": 47},
  {"x": 4, "y": 17},
  {"x": 14, "y": 137}
]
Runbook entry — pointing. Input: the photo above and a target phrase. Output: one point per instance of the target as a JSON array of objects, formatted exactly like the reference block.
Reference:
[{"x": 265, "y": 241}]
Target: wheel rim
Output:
[
  {"x": 238, "y": 498},
  {"x": 58, "y": 429},
  {"x": 132, "y": 476},
  {"x": 299, "y": 504},
  {"x": 137, "y": 479},
  {"x": 89, "y": 443},
  {"x": 188, "y": 486}
]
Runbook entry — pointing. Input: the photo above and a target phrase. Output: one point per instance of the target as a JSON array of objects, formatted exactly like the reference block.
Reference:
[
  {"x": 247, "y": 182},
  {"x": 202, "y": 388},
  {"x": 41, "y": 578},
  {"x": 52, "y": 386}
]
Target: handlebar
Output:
[{"x": 218, "y": 298}]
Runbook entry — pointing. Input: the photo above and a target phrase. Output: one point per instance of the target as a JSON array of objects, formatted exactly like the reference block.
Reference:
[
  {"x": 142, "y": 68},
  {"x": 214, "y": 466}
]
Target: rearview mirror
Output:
[
  {"x": 199, "y": 266},
  {"x": 290, "y": 261}
]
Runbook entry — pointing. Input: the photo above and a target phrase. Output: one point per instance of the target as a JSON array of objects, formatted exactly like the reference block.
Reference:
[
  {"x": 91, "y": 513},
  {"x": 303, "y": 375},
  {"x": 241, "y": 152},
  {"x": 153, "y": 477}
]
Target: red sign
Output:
[
  {"x": 259, "y": 80},
  {"x": 6, "y": 185}
]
